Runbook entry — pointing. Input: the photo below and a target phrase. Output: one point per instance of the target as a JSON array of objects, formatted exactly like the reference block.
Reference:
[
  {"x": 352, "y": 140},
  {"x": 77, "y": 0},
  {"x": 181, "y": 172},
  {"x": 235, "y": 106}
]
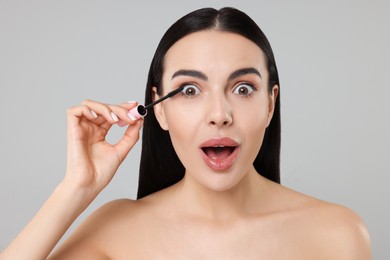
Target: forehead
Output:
[{"x": 212, "y": 49}]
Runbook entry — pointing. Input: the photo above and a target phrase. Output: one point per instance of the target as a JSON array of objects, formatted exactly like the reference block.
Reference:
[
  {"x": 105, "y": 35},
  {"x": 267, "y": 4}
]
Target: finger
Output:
[
  {"x": 122, "y": 110},
  {"x": 128, "y": 140},
  {"x": 129, "y": 105},
  {"x": 103, "y": 110},
  {"x": 75, "y": 114},
  {"x": 106, "y": 125}
]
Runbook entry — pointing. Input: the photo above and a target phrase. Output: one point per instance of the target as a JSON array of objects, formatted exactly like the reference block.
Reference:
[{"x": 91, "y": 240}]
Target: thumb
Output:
[{"x": 128, "y": 140}]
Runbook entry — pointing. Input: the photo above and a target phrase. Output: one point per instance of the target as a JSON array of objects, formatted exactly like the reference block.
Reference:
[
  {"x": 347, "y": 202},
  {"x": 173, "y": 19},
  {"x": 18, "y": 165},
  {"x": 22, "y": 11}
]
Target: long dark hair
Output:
[{"x": 160, "y": 166}]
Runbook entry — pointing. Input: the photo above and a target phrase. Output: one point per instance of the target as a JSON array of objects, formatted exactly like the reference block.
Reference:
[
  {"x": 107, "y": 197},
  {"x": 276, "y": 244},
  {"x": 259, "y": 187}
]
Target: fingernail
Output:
[
  {"x": 132, "y": 102},
  {"x": 122, "y": 123},
  {"x": 116, "y": 119},
  {"x": 94, "y": 114},
  {"x": 131, "y": 116}
]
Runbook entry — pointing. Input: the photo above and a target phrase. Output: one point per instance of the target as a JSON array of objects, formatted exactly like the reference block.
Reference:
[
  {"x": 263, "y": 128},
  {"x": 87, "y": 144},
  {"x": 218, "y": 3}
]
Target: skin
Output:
[{"x": 229, "y": 214}]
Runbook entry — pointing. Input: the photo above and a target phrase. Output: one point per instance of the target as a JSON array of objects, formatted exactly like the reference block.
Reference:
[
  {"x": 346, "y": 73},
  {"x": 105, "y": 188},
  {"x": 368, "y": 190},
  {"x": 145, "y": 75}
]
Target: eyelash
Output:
[
  {"x": 253, "y": 88},
  {"x": 188, "y": 84}
]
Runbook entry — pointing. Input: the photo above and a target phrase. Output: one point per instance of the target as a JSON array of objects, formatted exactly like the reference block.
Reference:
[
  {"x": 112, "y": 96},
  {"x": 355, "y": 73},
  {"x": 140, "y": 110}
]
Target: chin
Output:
[{"x": 220, "y": 181}]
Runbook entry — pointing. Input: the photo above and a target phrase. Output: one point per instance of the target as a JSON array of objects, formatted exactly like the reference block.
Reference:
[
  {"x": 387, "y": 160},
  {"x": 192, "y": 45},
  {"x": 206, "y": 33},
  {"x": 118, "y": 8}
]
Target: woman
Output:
[{"x": 209, "y": 167}]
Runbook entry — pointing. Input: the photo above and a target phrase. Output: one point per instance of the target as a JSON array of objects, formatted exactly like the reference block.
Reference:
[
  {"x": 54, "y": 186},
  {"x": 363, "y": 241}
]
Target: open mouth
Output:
[{"x": 219, "y": 152}]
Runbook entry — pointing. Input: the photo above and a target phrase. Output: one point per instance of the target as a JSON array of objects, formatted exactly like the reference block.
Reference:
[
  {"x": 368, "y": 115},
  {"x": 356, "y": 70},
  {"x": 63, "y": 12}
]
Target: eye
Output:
[
  {"x": 190, "y": 90},
  {"x": 244, "y": 89}
]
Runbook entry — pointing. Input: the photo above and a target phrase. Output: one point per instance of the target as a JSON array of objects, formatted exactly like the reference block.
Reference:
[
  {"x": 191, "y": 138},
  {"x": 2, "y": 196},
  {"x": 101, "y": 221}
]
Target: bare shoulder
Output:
[
  {"x": 332, "y": 231},
  {"x": 341, "y": 232},
  {"x": 102, "y": 231}
]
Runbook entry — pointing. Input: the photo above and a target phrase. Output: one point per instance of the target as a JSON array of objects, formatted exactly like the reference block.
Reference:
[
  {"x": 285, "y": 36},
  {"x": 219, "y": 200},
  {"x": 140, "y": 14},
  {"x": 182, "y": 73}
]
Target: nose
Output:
[{"x": 220, "y": 112}]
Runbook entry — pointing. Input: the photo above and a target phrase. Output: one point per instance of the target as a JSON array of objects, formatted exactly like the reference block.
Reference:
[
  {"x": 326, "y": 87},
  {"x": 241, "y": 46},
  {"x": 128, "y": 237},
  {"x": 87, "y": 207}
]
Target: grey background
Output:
[{"x": 333, "y": 60}]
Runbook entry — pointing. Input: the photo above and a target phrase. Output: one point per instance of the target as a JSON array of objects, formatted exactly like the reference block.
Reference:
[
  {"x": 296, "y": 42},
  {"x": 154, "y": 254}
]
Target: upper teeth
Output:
[{"x": 218, "y": 146}]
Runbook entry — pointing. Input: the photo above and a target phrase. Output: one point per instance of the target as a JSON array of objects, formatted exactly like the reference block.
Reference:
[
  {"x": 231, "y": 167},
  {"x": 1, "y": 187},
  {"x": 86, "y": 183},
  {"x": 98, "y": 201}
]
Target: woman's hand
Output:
[
  {"x": 92, "y": 161},
  {"x": 91, "y": 164}
]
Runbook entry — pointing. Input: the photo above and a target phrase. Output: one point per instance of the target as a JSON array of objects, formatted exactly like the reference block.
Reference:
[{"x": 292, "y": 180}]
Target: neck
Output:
[{"x": 231, "y": 203}]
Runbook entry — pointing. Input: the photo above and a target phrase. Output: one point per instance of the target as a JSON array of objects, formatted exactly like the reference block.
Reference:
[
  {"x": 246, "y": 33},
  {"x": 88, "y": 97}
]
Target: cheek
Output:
[
  {"x": 182, "y": 119},
  {"x": 183, "y": 123},
  {"x": 252, "y": 122},
  {"x": 251, "y": 115}
]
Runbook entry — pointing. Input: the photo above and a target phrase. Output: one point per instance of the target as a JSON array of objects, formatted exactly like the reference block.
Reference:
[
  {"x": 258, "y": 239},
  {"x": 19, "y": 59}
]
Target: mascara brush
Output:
[{"x": 141, "y": 110}]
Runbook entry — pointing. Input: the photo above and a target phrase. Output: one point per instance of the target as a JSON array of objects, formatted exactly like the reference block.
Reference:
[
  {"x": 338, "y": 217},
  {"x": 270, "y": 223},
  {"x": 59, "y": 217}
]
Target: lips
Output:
[{"x": 219, "y": 153}]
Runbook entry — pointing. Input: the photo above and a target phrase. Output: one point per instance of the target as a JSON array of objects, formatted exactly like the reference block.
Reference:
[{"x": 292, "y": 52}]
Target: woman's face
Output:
[{"x": 217, "y": 122}]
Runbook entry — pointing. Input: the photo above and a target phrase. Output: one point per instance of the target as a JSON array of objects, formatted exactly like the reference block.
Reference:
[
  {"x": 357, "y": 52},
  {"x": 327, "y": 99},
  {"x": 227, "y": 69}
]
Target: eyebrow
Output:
[
  {"x": 242, "y": 72},
  {"x": 202, "y": 76},
  {"x": 191, "y": 73}
]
